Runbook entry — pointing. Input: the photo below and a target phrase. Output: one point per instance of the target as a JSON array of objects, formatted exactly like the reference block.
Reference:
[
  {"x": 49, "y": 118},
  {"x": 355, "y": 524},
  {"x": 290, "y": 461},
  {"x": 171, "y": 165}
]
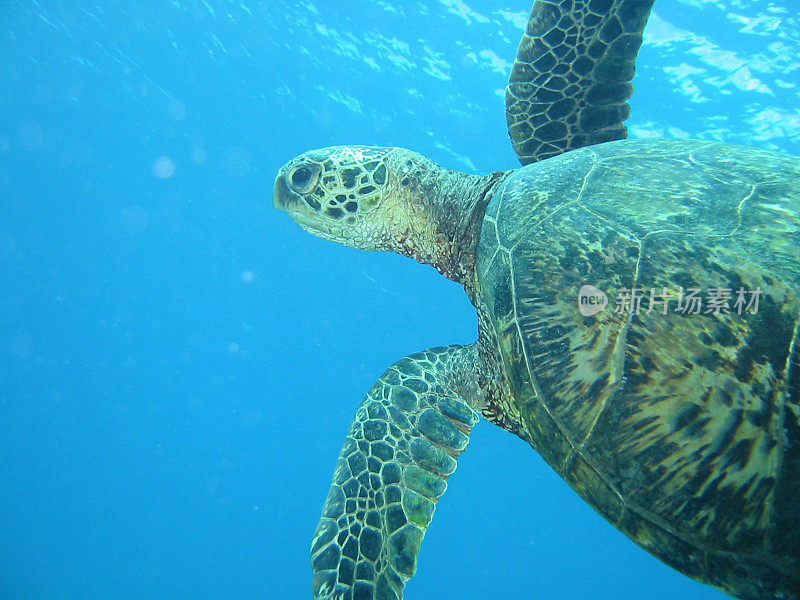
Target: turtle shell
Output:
[{"x": 680, "y": 426}]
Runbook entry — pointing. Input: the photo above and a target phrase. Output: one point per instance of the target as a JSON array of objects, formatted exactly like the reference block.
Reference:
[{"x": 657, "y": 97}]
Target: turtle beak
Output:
[
  {"x": 287, "y": 200},
  {"x": 281, "y": 193},
  {"x": 284, "y": 198}
]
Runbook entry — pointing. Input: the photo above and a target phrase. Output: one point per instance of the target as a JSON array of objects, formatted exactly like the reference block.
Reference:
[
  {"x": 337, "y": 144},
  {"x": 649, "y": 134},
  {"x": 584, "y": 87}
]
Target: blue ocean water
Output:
[{"x": 179, "y": 363}]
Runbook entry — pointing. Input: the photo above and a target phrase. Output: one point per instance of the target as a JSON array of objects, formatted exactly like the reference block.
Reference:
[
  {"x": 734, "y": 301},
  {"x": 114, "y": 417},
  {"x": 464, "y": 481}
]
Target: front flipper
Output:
[
  {"x": 393, "y": 468},
  {"x": 570, "y": 82}
]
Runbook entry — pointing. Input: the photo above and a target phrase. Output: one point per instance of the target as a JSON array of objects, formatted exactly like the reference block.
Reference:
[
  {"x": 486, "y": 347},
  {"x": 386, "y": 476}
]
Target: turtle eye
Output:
[{"x": 303, "y": 178}]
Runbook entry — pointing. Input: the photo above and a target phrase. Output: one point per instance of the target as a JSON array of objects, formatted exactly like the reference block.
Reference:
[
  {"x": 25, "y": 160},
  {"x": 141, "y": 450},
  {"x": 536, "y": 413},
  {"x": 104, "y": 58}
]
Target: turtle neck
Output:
[{"x": 449, "y": 207}]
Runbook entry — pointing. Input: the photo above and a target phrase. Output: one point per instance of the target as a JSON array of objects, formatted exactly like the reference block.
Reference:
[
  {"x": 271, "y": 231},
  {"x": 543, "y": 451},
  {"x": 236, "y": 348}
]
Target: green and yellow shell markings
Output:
[{"x": 681, "y": 429}]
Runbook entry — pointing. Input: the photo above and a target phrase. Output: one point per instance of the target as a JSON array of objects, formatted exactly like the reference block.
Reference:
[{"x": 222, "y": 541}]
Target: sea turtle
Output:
[{"x": 639, "y": 323}]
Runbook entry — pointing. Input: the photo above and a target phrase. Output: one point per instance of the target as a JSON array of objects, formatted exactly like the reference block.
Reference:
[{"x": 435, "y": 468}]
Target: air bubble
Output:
[{"x": 164, "y": 167}]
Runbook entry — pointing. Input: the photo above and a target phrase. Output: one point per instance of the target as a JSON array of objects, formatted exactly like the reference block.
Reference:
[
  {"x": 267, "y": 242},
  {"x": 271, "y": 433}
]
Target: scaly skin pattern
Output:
[
  {"x": 571, "y": 79},
  {"x": 401, "y": 448},
  {"x": 683, "y": 430}
]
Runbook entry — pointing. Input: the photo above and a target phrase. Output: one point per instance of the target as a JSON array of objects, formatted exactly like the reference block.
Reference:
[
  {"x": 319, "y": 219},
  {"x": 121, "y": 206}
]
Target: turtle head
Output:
[
  {"x": 353, "y": 195},
  {"x": 386, "y": 199}
]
